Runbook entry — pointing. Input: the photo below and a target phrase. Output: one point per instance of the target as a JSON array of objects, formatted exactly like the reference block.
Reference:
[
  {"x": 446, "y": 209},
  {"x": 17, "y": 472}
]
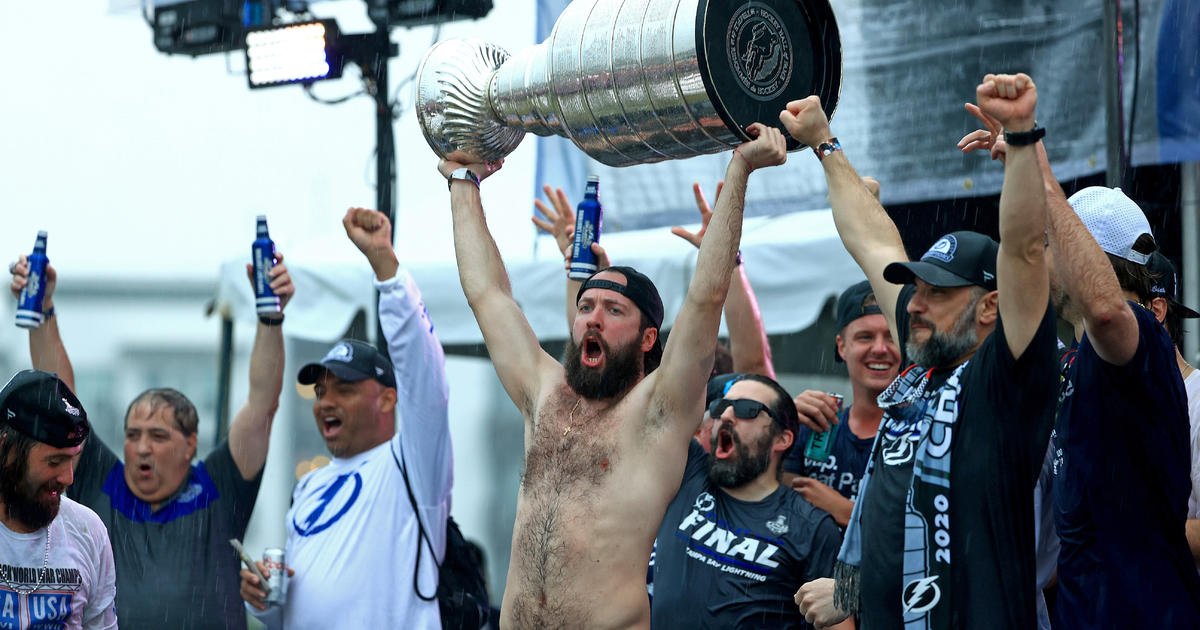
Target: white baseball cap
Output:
[{"x": 1115, "y": 221}]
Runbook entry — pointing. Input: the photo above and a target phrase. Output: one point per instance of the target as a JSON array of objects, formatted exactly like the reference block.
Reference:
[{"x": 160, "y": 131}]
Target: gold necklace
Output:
[{"x": 571, "y": 417}]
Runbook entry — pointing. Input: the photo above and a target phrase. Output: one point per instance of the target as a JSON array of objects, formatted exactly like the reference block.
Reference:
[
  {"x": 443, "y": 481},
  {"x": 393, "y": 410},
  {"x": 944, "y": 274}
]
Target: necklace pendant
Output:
[{"x": 566, "y": 431}]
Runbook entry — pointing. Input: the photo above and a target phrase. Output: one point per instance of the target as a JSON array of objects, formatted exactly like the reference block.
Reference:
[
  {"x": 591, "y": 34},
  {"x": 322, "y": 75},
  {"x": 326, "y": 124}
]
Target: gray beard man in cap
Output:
[
  {"x": 56, "y": 562},
  {"x": 606, "y": 438},
  {"x": 965, "y": 429}
]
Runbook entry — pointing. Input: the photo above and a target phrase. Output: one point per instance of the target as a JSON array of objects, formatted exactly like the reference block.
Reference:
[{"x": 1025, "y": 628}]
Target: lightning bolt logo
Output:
[{"x": 921, "y": 595}]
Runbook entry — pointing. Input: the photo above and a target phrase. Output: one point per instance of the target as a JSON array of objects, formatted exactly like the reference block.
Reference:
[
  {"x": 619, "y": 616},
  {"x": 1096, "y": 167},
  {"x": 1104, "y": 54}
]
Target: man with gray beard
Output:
[
  {"x": 965, "y": 427},
  {"x": 735, "y": 544}
]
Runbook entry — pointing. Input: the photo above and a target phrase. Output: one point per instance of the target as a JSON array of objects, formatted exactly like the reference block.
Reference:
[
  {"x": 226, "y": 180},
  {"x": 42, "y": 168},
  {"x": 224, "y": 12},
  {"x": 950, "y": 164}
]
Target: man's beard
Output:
[
  {"x": 21, "y": 498},
  {"x": 622, "y": 369},
  {"x": 944, "y": 349},
  {"x": 745, "y": 466}
]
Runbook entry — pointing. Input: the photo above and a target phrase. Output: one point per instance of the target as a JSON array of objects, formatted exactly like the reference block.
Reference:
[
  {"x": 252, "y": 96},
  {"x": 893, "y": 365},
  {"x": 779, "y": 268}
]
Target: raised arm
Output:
[
  {"x": 747, "y": 335},
  {"x": 418, "y": 357},
  {"x": 867, "y": 231},
  {"x": 250, "y": 433},
  {"x": 687, "y": 357},
  {"x": 1087, "y": 276},
  {"x": 519, "y": 361},
  {"x": 46, "y": 349},
  {"x": 1021, "y": 274}
]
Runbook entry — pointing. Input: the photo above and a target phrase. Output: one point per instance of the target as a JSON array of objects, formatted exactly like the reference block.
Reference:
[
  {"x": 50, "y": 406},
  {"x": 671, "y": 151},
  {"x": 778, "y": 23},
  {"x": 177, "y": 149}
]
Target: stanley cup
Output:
[{"x": 633, "y": 81}]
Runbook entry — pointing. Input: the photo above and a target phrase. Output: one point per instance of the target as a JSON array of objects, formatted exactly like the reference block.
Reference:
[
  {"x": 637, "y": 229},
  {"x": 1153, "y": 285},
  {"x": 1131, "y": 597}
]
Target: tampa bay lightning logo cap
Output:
[
  {"x": 351, "y": 360},
  {"x": 958, "y": 259}
]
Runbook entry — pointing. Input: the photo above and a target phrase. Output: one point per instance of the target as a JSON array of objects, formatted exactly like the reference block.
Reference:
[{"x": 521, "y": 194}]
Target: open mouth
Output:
[
  {"x": 725, "y": 443},
  {"x": 330, "y": 426},
  {"x": 593, "y": 352},
  {"x": 144, "y": 469}
]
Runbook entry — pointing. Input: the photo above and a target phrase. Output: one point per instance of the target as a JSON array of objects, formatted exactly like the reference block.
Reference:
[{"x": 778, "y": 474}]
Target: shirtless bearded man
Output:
[{"x": 606, "y": 437}]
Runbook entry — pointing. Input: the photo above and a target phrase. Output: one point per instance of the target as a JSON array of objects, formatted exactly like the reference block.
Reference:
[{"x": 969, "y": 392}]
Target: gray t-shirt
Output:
[{"x": 175, "y": 568}]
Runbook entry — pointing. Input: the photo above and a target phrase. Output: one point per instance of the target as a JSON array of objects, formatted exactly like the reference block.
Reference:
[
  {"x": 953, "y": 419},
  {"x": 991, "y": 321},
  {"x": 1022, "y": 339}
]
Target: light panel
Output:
[{"x": 296, "y": 53}]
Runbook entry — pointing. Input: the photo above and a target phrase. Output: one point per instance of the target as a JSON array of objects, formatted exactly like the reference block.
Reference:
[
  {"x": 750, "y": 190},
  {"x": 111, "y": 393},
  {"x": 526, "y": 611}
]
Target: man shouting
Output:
[{"x": 606, "y": 434}]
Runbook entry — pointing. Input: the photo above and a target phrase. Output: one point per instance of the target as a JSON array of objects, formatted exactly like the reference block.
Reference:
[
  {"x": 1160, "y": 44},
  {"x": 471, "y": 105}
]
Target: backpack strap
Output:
[{"x": 421, "y": 533}]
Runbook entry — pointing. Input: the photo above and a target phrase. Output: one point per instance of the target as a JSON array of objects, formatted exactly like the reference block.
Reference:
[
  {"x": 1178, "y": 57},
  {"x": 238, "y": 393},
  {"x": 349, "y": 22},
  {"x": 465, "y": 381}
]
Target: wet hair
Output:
[
  {"x": 15, "y": 446},
  {"x": 1132, "y": 276},
  {"x": 186, "y": 418},
  {"x": 782, "y": 409}
]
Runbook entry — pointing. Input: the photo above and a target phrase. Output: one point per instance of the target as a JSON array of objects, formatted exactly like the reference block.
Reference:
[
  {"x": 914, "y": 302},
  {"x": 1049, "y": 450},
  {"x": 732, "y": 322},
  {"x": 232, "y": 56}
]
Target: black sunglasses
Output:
[{"x": 743, "y": 408}]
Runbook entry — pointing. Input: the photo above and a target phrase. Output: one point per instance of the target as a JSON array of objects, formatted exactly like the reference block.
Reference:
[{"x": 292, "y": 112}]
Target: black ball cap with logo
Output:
[
  {"x": 41, "y": 406},
  {"x": 958, "y": 259},
  {"x": 351, "y": 360}
]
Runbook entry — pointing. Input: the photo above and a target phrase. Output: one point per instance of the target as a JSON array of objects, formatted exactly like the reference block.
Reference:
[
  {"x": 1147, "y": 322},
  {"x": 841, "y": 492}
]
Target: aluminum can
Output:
[
  {"x": 277, "y": 577},
  {"x": 262, "y": 255},
  {"x": 587, "y": 231},
  {"x": 820, "y": 443},
  {"x": 29, "y": 303}
]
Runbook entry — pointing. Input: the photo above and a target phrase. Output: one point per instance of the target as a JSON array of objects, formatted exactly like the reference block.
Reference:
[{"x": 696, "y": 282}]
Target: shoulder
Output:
[{"x": 81, "y": 522}]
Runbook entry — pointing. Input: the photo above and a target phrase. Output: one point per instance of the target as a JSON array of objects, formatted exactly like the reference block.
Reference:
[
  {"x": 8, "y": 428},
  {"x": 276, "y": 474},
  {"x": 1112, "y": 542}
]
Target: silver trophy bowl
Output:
[{"x": 633, "y": 81}]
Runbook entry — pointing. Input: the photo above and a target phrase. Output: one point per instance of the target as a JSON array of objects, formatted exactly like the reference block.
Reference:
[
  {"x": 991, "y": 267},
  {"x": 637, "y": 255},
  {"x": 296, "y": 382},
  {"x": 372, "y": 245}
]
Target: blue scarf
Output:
[{"x": 909, "y": 409}]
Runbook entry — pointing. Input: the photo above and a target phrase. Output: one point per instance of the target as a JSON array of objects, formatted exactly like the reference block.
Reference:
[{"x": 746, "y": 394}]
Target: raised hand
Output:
[
  {"x": 768, "y": 148},
  {"x": 806, "y": 121},
  {"x": 281, "y": 281},
  {"x": 990, "y": 139},
  {"x": 369, "y": 230},
  {"x": 20, "y": 278},
  {"x": 705, "y": 215},
  {"x": 1008, "y": 98},
  {"x": 559, "y": 221}
]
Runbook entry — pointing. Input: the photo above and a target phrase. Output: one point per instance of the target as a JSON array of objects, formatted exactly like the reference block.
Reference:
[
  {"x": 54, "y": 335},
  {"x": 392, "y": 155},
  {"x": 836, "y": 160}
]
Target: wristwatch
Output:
[
  {"x": 1024, "y": 138},
  {"x": 825, "y": 149},
  {"x": 463, "y": 173}
]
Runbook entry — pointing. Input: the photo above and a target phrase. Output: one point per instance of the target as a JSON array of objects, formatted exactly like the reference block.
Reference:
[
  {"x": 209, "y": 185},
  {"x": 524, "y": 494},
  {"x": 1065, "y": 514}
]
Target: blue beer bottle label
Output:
[
  {"x": 587, "y": 231},
  {"x": 262, "y": 256},
  {"x": 29, "y": 303},
  {"x": 820, "y": 443}
]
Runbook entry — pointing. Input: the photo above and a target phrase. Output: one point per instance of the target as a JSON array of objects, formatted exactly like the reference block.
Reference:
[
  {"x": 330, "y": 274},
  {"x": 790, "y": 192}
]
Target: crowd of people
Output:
[{"x": 667, "y": 481}]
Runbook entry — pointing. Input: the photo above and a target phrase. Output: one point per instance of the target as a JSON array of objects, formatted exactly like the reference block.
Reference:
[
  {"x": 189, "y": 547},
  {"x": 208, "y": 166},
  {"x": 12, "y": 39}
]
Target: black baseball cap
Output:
[
  {"x": 855, "y": 302},
  {"x": 958, "y": 259},
  {"x": 1166, "y": 283},
  {"x": 41, "y": 406},
  {"x": 719, "y": 385},
  {"x": 351, "y": 360},
  {"x": 641, "y": 291}
]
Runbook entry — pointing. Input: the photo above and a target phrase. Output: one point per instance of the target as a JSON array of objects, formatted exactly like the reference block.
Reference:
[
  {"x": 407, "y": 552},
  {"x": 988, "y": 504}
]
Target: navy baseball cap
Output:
[
  {"x": 351, "y": 360},
  {"x": 41, "y": 406},
  {"x": 958, "y": 259},
  {"x": 1166, "y": 283}
]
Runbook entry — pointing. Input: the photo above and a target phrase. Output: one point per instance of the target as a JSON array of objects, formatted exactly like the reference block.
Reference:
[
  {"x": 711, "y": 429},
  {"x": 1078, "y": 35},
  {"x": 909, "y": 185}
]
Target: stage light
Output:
[
  {"x": 295, "y": 53},
  {"x": 199, "y": 27}
]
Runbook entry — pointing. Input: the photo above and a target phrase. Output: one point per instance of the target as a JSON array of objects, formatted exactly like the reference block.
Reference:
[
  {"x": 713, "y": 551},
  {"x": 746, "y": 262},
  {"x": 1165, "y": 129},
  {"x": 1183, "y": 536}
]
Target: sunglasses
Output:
[{"x": 743, "y": 408}]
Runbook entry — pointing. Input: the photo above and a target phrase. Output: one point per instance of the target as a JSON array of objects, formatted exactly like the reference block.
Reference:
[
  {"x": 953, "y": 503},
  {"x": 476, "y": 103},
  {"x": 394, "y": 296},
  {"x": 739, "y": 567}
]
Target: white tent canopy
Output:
[{"x": 795, "y": 262}]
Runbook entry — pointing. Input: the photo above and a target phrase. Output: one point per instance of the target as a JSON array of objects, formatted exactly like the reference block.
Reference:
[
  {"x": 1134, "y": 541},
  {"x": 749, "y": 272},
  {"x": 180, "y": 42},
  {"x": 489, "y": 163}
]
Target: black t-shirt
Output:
[
  {"x": 730, "y": 564},
  {"x": 1004, "y": 415},
  {"x": 1121, "y": 472},
  {"x": 847, "y": 462},
  {"x": 175, "y": 568}
]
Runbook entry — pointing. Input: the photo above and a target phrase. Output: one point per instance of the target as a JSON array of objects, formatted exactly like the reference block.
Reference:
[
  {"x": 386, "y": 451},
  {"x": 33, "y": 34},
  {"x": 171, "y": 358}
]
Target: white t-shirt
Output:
[
  {"x": 78, "y": 586},
  {"x": 352, "y": 535}
]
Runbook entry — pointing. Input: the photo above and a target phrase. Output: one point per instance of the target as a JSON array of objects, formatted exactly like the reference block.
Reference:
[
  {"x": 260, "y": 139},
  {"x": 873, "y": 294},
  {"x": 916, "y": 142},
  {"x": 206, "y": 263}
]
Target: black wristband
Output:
[
  {"x": 1024, "y": 138},
  {"x": 268, "y": 321},
  {"x": 48, "y": 314}
]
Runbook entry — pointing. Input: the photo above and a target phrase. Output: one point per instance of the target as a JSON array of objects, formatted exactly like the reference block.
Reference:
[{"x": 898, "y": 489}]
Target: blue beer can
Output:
[
  {"x": 587, "y": 231},
  {"x": 29, "y": 303},
  {"x": 262, "y": 256}
]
